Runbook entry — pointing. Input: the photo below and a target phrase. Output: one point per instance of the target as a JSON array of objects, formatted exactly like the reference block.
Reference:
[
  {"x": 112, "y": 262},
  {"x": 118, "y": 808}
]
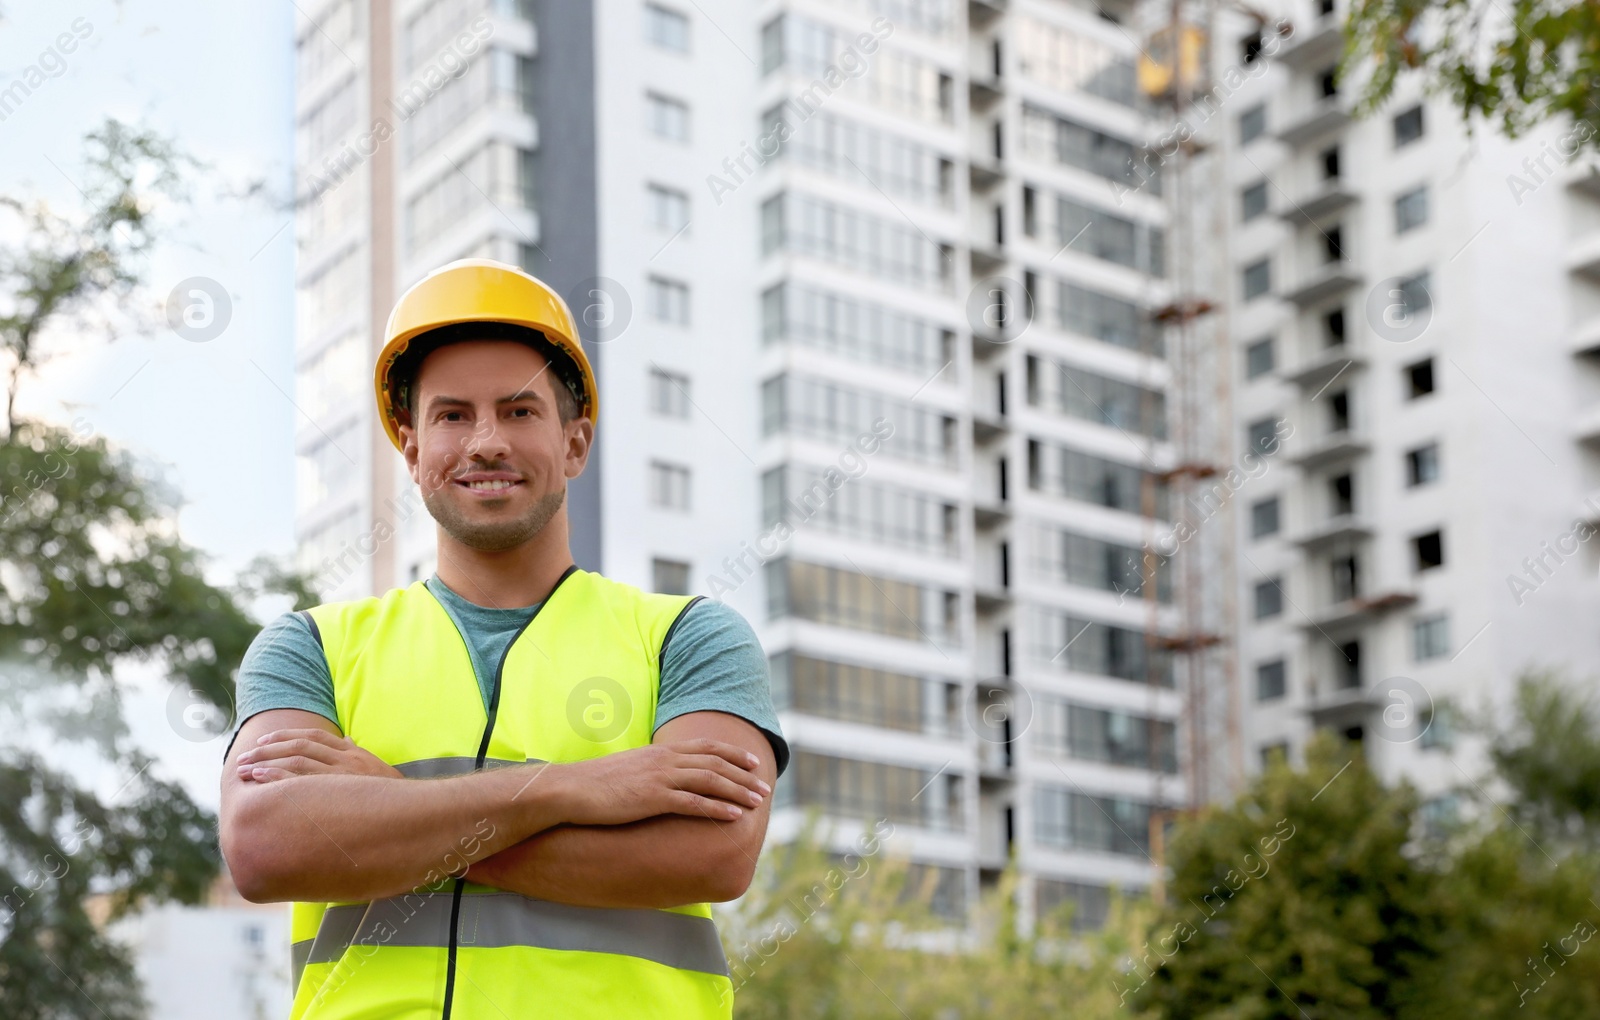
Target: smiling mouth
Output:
[{"x": 498, "y": 485}]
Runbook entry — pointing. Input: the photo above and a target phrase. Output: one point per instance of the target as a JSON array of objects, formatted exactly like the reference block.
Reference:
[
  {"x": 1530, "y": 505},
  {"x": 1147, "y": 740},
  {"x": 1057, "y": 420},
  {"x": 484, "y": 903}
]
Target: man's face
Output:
[{"x": 487, "y": 446}]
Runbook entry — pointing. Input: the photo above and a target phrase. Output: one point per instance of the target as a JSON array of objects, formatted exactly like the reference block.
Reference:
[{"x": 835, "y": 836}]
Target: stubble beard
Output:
[{"x": 493, "y": 536}]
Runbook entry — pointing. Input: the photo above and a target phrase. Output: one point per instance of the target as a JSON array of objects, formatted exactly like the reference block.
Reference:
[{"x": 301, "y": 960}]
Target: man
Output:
[{"x": 515, "y": 788}]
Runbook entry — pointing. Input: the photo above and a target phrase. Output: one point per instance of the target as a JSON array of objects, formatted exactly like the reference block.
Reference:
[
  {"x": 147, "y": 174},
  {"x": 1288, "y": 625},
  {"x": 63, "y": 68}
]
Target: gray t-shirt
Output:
[{"x": 712, "y": 662}]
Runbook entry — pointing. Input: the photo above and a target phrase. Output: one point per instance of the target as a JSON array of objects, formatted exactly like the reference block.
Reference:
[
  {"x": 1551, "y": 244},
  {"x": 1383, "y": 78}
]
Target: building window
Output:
[
  {"x": 1259, "y": 358},
  {"x": 1253, "y": 201},
  {"x": 822, "y": 409},
  {"x": 1347, "y": 665},
  {"x": 1328, "y": 82},
  {"x": 1073, "y": 474},
  {"x": 1088, "y": 905},
  {"x": 1411, "y": 210},
  {"x": 1430, "y": 638},
  {"x": 865, "y": 695},
  {"x": 1070, "y": 558},
  {"x": 666, "y": 28},
  {"x": 668, "y": 208},
  {"x": 1106, "y": 318},
  {"x": 1071, "y": 730},
  {"x": 1330, "y": 163},
  {"x": 865, "y": 789},
  {"x": 669, "y": 577},
  {"x": 1437, "y": 728},
  {"x": 1263, "y": 436},
  {"x": 1341, "y": 495},
  {"x": 1062, "y": 642},
  {"x": 840, "y": 597},
  {"x": 1333, "y": 243},
  {"x": 669, "y": 393},
  {"x": 1095, "y": 397},
  {"x": 1269, "y": 597},
  {"x": 666, "y": 117},
  {"x": 1428, "y": 550},
  {"x": 1419, "y": 379},
  {"x": 669, "y": 485},
  {"x": 884, "y": 515},
  {"x": 1275, "y": 753},
  {"x": 854, "y": 241},
  {"x": 1272, "y": 680},
  {"x": 1264, "y": 517},
  {"x": 1422, "y": 465},
  {"x": 1333, "y": 328},
  {"x": 669, "y": 300},
  {"x": 1414, "y": 295},
  {"x": 1252, "y": 123},
  {"x": 849, "y": 327},
  {"x": 1250, "y": 47},
  {"x": 1072, "y": 820},
  {"x": 1407, "y": 126},
  {"x": 1344, "y": 574},
  {"x": 1339, "y": 412},
  {"x": 1257, "y": 278}
]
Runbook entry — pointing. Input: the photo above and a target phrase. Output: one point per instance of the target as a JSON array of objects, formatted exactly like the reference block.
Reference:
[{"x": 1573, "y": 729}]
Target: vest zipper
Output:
[{"x": 483, "y": 753}]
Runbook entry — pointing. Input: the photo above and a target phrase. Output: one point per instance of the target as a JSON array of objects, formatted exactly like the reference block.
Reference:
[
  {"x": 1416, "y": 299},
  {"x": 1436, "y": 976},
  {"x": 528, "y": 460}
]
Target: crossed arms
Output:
[{"x": 308, "y": 815}]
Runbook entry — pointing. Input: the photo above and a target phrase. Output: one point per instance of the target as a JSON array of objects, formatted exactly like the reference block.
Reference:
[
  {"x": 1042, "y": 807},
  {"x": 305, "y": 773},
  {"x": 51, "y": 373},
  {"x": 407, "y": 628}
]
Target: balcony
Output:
[
  {"x": 987, "y": 427},
  {"x": 1583, "y": 257},
  {"x": 1585, "y": 180},
  {"x": 989, "y": 515},
  {"x": 1359, "y": 610},
  {"x": 1324, "y": 366},
  {"x": 1341, "y": 707},
  {"x": 985, "y": 174},
  {"x": 1327, "y": 449},
  {"x": 1343, "y": 528},
  {"x": 981, "y": 12},
  {"x": 991, "y": 599},
  {"x": 1316, "y": 119},
  {"x": 1315, "y": 44},
  {"x": 1585, "y": 337},
  {"x": 1324, "y": 282},
  {"x": 1328, "y": 197},
  {"x": 1588, "y": 427}
]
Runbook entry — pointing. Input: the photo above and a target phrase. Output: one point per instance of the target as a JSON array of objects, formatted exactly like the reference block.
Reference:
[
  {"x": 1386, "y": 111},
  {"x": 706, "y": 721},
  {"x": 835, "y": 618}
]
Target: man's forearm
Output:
[
  {"x": 354, "y": 837},
  {"x": 660, "y": 862}
]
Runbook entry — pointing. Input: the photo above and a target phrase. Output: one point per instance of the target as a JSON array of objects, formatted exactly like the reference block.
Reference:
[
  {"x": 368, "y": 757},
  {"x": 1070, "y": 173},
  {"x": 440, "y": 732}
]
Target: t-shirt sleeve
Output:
[
  {"x": 284, "y": 668},
  {"x": 714, "y": 663}
]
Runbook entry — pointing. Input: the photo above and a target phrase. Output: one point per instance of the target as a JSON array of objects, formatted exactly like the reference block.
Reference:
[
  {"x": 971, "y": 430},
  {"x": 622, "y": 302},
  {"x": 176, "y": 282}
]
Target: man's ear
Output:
[
  {"x": 580, "y": 437},
  {"x": 408, "y": 445}
]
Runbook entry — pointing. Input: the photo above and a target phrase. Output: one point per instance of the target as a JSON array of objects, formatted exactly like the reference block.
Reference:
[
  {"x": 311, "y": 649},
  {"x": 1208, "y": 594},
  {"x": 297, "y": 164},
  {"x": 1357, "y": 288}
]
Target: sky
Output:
[{"x": 212, "y": 413}]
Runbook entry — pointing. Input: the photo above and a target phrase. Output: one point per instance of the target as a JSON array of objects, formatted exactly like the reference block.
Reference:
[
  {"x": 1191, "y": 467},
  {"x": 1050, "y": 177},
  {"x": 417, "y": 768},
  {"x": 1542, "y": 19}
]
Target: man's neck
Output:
[{"x": 512, "y": 579}]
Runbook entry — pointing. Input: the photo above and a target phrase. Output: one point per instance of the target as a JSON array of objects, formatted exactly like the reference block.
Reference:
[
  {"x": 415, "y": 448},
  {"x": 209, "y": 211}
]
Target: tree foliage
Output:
[
  {"x": 1516, "y": 63},
  {"x": 94, "y": 578},
  {"x": 855, "y": 937}
]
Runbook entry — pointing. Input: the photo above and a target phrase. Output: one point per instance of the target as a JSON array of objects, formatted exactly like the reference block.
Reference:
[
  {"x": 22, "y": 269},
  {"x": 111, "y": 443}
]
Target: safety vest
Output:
[{"x": 579, "y": 681}]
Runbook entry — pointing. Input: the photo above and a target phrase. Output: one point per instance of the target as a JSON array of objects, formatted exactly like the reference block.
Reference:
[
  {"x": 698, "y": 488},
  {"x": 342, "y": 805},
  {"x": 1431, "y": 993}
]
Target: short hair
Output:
[{"x": 567, "y": 384}]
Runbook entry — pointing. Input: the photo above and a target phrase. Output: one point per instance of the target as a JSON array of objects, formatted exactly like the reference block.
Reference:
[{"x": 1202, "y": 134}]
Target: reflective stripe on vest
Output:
[
  {"x": 578, "y": 682},
  {"x": 495, "y": 920}
]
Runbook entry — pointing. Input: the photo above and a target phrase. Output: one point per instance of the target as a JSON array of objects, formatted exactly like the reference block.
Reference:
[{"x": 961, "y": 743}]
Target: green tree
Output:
[
  {"x": 93, "y": 577},
  {"x": 855, "y": 937},
  {"x": 1516, "y": 63},
  {"x": 1549, "y": 755},
  {"x": 1297, "y": 897}
]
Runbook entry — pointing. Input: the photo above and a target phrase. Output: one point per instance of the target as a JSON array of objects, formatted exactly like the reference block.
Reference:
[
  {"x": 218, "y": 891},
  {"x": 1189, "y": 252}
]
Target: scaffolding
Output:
[{"x": 1199, "y": 639}]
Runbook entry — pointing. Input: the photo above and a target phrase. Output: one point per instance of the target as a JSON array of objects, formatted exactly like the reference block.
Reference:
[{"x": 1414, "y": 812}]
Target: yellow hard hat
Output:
[{"x": 478, "y": 290}]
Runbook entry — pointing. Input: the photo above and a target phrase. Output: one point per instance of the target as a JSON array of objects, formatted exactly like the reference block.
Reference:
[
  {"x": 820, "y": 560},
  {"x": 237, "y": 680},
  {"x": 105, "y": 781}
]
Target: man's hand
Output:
[
  {"x": 284, "y": 753},
  {"x": 701, "y": 778}
]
